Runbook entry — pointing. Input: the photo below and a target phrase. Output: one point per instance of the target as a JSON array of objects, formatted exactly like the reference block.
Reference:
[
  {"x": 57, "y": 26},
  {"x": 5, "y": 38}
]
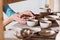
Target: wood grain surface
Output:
[
  {"x": 1, "y": 22},
  {"x": 10, "y": 1}
]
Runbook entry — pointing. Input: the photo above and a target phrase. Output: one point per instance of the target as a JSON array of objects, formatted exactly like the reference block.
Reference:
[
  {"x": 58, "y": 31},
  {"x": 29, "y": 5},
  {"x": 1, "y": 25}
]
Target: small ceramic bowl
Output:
[
  {"x": 32, "y": 22},
  {"x": 43, "y": 10},
  {"x": 45, "y": 24},
  {"x": 44, "y": 19},
  {"x": 58, "y": 14},
  {"x": 58, "y": 21},
  {"x": 54, "y": 16}
]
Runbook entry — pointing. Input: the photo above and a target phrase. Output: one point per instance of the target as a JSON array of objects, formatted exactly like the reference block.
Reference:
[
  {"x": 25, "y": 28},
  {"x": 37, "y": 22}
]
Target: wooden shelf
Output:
[
  {"x": 51, "y": 4},
  {"x": 10, "y": 1}
]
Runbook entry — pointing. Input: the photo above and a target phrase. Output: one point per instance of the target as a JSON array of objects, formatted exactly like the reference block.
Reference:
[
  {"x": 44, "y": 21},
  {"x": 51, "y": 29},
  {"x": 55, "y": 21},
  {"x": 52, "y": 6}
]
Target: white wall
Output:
[
  {"x": 32, "y": 5},
  {"x": 59, "y": 5},
  {"x": 56, "y": 5}
]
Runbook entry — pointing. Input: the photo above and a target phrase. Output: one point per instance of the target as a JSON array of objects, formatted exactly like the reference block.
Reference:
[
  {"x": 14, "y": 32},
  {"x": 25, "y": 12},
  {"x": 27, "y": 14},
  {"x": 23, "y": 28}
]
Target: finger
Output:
[
  {"x": 28, "y": 14},
  {"x": 22, "y": 21},
  {"x": 32, "y": 17}
]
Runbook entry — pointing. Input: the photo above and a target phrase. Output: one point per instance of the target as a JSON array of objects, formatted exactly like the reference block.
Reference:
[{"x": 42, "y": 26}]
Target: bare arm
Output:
[
  {"x": 6, "y": 22},
  {"x": 17, "y": 17}
]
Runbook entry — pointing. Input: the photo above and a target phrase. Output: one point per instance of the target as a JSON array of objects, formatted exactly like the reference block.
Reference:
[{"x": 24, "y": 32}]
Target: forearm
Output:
[{"x": 6, "y": 22}]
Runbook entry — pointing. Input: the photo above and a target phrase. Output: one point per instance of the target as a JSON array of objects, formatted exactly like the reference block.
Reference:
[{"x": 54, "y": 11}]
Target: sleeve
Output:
[{"x": 8, "y": 11}]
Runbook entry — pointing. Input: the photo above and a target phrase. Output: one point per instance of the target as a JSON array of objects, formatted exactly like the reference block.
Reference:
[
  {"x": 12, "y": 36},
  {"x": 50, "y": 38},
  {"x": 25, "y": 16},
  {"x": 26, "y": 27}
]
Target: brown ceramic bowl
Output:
[{"x": 47, "y": 33}]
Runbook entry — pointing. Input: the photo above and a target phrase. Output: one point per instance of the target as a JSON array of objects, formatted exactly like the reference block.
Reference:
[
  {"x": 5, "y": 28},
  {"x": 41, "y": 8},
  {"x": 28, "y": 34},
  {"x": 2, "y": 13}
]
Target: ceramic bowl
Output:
[
  {"x": 43, "y": 9},
  {"x": 45, "y": 24},
  {"x": 58, "y": 14},
  {"x": 54, "y": 16},
  {"x": 32, "y": 22},
  {"x": 47, "y": 33},
  {"x": 58, "y": 21},
  {"x": 44, "y": 19}
]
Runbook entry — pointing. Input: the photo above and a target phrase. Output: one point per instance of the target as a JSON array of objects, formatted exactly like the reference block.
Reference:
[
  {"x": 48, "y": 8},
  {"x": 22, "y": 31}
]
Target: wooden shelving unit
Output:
[{"x": 1, "y": 22}]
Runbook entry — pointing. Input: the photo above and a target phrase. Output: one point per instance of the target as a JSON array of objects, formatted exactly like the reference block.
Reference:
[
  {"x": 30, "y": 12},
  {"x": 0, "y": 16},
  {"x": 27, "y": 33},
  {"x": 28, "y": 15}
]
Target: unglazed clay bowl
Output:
[
  {"x": 32, "y": 22},
  {"x": 45, "y": 24}
]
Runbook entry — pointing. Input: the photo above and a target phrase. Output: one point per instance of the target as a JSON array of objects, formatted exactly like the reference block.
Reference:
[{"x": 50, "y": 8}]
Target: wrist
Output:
[{"x": 11, "y": 18}]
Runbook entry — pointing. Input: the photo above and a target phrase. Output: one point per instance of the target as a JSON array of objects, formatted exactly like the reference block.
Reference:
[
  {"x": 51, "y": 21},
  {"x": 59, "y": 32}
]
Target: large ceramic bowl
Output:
[
  {"x": 45, "y": 24},
  {"x": 47, "y": 33},
  {"x": 32, "y": 22}
]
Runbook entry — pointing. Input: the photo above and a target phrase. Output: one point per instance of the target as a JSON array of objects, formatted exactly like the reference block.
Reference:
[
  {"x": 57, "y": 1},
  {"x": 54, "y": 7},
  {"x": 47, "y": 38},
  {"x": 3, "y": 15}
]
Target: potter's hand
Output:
[
  {"x": 28, "y": 14},
  {"x": 20, "y": 17},
  {"x": 17, "y": 18}
]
